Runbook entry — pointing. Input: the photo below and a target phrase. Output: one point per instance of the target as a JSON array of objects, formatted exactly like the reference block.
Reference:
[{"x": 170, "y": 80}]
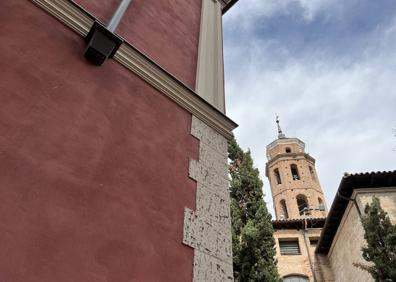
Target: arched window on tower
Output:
[
  {"x": 294, "y": 172},
  {"x": 284, "y": 209},
  {"x": 321, "y": 205},
  {"x": 277, "y": 176},
  {"x": 302, "y": 204},
  {"x": 288, "y": 150},
  {"x": 312, "y": 173}
]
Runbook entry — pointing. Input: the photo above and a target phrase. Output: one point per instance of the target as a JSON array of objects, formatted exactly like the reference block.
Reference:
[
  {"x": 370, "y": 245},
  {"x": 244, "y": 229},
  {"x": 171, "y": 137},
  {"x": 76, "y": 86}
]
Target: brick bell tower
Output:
[{"x": 295, "y": 187}]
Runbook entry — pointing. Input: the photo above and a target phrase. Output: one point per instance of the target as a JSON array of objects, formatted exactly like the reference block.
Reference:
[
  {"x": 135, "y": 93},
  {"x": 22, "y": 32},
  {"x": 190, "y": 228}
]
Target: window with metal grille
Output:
[{"x": 289, "y": 247}]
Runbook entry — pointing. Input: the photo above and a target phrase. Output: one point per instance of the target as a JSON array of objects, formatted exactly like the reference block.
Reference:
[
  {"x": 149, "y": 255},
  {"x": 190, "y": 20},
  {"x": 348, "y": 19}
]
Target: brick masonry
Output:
[
  {"x": 288, "y": 190},
  {"x": 208, "y": 229}
]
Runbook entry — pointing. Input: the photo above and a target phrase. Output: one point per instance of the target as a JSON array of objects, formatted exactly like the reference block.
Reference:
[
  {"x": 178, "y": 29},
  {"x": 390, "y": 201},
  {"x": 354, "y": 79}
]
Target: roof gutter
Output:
[{"x": 350, "y": 200}]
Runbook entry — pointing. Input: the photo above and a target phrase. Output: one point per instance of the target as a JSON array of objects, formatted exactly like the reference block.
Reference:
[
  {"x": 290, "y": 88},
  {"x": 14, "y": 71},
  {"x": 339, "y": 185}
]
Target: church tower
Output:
[
  {"x": 295, "y": 187},
  {"x": 300, "y": 209}
]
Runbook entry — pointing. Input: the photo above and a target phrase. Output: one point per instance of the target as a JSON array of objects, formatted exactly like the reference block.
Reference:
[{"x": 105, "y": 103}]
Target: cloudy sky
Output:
[{"x": 328, "y": 68}]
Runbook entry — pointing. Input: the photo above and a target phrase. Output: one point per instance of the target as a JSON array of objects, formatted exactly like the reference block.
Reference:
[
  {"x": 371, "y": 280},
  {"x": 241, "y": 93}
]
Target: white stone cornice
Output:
[
  {"x": 81, "y": 21},
  {"x": 168, "y": 85},
  {"x": 69, "y": 13}
]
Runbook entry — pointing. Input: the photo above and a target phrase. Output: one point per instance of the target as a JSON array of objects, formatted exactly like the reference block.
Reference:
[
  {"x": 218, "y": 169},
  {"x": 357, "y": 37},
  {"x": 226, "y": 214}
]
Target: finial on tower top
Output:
[{"x": 280, "y": 133}]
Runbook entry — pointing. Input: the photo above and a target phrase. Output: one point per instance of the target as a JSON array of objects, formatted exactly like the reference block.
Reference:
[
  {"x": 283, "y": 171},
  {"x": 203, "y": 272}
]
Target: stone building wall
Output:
[
  {"x": 386, "y": 196},
  {"x": 207, "y": 229},
  {"x": 347, "y": 244},
  {"x": 346, "y": 249}
]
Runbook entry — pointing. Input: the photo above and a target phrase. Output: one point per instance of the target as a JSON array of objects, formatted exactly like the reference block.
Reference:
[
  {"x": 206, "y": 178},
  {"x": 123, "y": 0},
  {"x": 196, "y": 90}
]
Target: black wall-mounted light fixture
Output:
[{"x": 102, "y": 42}]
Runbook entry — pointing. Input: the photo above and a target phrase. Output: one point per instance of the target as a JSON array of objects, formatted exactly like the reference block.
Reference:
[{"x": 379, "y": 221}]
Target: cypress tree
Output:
[
  {"x": 252, "y": 232},
  {"x": 380, "y": 235}
]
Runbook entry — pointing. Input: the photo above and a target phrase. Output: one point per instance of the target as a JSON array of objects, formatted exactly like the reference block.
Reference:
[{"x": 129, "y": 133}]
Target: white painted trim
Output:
[
  {"x": 373, "y": 191},
  {"x": 80, "y": 21},
  {"x": 71, "y": 15},
  {"x": 159, "y": 79}
]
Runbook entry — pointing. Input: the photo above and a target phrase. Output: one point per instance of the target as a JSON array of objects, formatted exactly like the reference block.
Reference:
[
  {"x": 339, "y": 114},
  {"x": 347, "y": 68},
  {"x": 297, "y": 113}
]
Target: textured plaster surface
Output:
[
  {"x": 209, "y": 137},
  {"x": 346, "y": 249},
  {"x": 167, "y": 31},
  {"x": 347, "y": 244},
  {"x": 387, "y": 200},
  {"x": 208, "y": 228},
  {"x": 94, "y": 162},
  {"x": 208, "y": 268}
]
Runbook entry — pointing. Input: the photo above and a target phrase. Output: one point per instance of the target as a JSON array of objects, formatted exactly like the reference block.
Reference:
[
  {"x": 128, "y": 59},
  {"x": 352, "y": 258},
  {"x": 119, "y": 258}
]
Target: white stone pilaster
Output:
[{"x": 210, "y": 70}]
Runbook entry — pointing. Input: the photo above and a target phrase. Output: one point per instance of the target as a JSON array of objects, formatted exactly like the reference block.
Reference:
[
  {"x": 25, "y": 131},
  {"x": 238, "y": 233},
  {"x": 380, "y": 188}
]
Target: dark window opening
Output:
[
  {"x": 289, "y": 247},
  {"x": 302, "y": 204},
  {"x": 288, "y": 150},
  {"x": 277, "y": 176},
  {"x": 284, "y": 209},
  {"x": 313, "y": 241},
  {"x": 294, "y": 172}
]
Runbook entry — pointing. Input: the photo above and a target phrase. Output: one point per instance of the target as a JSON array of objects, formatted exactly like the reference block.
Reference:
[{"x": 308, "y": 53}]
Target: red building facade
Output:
[{"x": 118, "y": 172}]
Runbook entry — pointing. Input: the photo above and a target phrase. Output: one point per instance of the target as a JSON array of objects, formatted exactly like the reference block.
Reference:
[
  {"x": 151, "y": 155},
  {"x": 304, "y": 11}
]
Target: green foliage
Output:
[
  {"x": 380, "y": 235},
  {"x": 253, "y": 244}
]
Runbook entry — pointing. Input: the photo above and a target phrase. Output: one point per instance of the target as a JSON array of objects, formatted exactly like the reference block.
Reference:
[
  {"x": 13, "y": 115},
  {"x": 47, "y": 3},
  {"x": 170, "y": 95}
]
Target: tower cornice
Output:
[{"x": 285, "y": 141}]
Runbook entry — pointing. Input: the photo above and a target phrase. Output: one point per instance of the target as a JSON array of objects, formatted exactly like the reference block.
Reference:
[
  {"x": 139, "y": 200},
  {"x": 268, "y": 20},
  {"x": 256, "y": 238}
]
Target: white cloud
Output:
[
  {"x": 256, "y": 9},
  {"x": 344, "y": 112}
]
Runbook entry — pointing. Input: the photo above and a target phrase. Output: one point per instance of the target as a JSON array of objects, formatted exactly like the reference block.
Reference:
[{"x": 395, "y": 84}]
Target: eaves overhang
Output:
[
  {"x": 298, "y": 223},
  {"x": 349, "y": 183},
  {"x": 227, "y": 4}
]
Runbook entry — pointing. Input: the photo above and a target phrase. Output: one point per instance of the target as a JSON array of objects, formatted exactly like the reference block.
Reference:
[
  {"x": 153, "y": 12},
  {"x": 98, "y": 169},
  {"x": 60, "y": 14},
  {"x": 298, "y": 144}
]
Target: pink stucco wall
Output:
[
  {"x": 93, "y": 163},
  {"x": 166, "y": 30}
]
